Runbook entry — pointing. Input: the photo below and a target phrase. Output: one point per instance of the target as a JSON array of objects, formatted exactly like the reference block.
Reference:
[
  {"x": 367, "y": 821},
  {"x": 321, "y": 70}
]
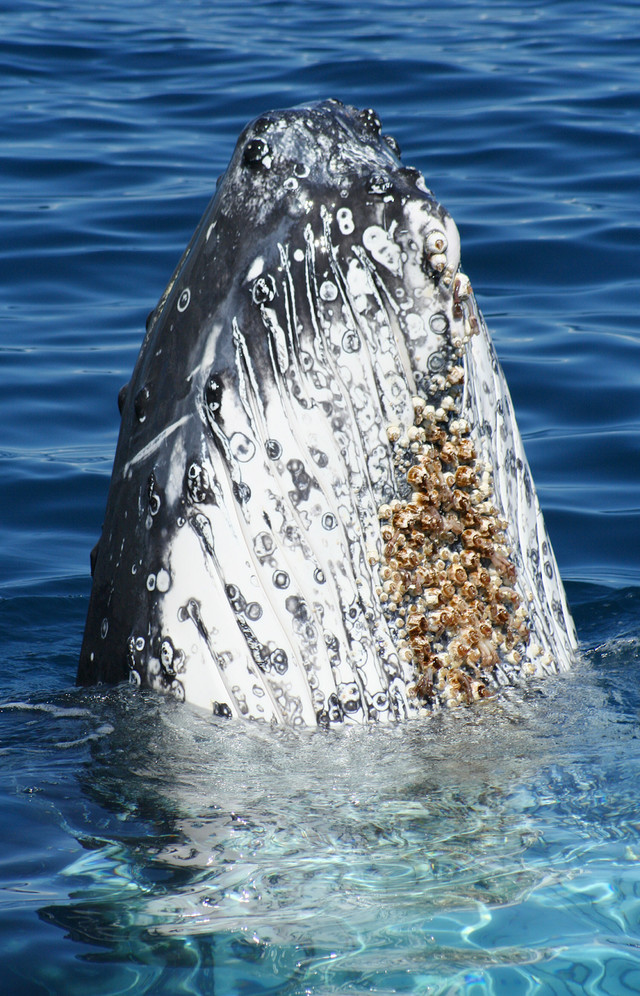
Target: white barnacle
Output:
[
  {"x": 344, "y": 218},
  {"x": 393, "y": 433},
  {"x": 436, "y": 241},
  {"x": 383, "y": 249}
]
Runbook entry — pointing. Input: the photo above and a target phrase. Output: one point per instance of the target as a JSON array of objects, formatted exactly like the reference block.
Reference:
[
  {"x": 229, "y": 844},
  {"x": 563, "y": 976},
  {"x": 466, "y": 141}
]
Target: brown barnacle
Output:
[
  {"x": 423, "y": 576},
  {"x": 461, "y": 684},
  {"x": 465, "y": 477},
  {"x": 459, "y": 650},
  {"x": 403, "y": 517},
  {"x": 486, "y": 526},
  {"x": 458, "y": 603},
  {"x": 447, "y": 590},
  {"x": 461, "y": 501},
  {"x": 483, "y": 544},
  {"x": 480, "y": 690},
  {"x": 430, "y": 520},
  {"x": 449, "y": 618},
  {"x": 455, "y": 376},
  {"x": 448, "y": 453},
  {"x": 390, "y": 547},
  {"x": 387, "y": 534},
  {"x": 499, "y": 614},
  {"x": 474, "y": 326},
  {"x": 418, "y": 477},
  {"x": 435, "y": 435},
  {"x": 468, "y": 537},
  {"x": 457, "y": 574},
  {"x": 423, "y": 688},
  {"x": 432, "y": 596},
  {"x": 416, "y": 541},
  {"x": 466, "y": 450},
  {"x": 483, "y": 577},
  {"x": 435, "y": 623},
  {"x": 416, "y": 626},
  {"x": 469, "y": 592}
]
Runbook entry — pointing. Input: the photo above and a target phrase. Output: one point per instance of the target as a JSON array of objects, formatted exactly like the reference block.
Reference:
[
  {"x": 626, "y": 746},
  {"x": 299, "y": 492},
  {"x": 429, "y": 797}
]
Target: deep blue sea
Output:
[{"x": 144, "y": 848}]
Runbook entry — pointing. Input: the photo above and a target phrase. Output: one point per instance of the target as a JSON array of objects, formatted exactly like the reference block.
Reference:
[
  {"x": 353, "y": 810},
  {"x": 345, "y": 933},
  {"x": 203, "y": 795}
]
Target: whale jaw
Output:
[{"x": 320, "y": 510}]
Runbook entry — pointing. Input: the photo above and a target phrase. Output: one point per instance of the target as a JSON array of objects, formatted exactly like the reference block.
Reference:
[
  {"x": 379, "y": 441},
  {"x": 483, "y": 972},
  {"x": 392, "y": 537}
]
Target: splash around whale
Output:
[{"x": 320, "y": 510}]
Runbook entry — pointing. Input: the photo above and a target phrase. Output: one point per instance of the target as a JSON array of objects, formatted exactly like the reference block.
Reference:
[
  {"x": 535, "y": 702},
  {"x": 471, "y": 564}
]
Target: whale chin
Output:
[{"x": 320, "y": 510}]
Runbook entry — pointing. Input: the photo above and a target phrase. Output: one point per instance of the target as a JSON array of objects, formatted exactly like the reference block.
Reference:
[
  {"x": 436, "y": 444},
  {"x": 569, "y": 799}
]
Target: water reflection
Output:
[{"x": 371, "y": 858}]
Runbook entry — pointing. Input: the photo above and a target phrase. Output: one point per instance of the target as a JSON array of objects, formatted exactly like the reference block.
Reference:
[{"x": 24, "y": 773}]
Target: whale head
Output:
[{"x": 320, "y": 510}]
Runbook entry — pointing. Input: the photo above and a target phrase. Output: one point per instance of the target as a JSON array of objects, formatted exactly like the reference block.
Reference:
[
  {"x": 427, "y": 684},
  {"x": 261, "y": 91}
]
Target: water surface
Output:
[{"x": 148, "y": 850}]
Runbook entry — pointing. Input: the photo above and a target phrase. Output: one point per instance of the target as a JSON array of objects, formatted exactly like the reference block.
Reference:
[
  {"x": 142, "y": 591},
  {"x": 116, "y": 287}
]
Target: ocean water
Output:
[{"x": 146, "y": 849}]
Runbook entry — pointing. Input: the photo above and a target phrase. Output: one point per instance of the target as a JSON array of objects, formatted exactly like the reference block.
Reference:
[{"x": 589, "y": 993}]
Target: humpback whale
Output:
[{"x": 320, "y": 510}]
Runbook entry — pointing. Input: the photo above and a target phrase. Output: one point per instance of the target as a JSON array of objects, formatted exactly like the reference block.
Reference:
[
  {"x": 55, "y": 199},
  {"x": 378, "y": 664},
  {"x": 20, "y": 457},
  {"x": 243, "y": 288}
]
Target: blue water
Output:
[{"x": 145, "y": 850}]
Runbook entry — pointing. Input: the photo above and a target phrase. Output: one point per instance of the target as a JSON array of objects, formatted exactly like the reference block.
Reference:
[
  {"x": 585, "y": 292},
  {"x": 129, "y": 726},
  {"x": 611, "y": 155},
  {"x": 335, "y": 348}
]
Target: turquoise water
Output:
[{"x": 148, "y": 850}]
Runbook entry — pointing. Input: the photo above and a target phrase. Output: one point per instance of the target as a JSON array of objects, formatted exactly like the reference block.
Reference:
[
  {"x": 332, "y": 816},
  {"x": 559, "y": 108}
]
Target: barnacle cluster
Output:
[{"x": 446, "y": 580}]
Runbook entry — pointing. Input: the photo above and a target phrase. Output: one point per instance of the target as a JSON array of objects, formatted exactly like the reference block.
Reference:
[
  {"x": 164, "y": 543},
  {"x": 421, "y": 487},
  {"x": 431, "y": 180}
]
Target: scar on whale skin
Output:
[{"x": 320, "y": 510}]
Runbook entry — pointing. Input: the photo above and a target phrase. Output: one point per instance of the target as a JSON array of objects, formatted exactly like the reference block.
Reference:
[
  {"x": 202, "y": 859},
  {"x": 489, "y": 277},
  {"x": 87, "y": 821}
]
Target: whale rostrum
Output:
[{"x": 320, "y": 510}]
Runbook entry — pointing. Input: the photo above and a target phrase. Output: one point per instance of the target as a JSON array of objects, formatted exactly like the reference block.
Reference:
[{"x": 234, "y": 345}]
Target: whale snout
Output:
[{"x": 321, "y": 510}]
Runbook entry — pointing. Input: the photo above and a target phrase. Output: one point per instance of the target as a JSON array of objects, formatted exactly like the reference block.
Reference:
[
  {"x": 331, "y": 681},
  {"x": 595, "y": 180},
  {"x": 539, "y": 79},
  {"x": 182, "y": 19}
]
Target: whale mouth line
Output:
[{"x": 321, "y": 510}]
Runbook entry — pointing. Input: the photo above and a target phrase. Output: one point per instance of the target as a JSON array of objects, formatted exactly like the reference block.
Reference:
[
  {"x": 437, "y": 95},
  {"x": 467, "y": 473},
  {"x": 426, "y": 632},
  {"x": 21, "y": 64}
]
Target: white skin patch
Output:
[
  {"x": 163, "y": 580},
  {"x": 345, "y": 221},
  {"x": 383, "y": 249},
  {"x": 358, "y": 280},
  {"x": 328, "y": 291},
  {"x": 255, "y": 269},
  {"x": 242, "y": 447}
]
